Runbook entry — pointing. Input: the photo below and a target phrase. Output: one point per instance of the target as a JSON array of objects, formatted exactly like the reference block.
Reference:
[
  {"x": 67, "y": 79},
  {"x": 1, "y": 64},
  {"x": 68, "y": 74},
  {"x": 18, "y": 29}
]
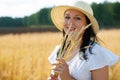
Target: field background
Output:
[{"x": 24, "y": 56}]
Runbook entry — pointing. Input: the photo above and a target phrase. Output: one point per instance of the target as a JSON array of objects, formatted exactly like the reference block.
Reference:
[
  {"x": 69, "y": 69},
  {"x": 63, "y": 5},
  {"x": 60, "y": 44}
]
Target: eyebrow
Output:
[{"x": 75, "y": 15}]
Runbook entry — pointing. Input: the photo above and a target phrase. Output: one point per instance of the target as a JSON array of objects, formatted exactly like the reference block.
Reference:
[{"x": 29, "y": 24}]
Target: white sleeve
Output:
[
  {"x": 53, "y": 56},
  {"x": 101, "y": 57}
]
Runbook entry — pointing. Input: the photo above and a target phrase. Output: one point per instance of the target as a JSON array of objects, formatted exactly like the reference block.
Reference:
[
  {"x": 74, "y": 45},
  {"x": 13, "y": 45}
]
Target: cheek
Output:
[
  {"x": 80, "y": 24},
  {"x": 64, "y": 26},
  {"x": 64, "y": 23},
  {"x": 79, "y": 28}
]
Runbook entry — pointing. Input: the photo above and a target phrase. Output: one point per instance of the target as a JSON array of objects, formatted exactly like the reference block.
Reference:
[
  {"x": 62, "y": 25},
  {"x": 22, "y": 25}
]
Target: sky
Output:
[{"x": 21, "y": 8}]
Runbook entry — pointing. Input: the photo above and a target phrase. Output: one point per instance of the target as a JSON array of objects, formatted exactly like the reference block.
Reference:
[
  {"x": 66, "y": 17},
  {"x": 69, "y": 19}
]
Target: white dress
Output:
[{"x": 81, "y": 69}]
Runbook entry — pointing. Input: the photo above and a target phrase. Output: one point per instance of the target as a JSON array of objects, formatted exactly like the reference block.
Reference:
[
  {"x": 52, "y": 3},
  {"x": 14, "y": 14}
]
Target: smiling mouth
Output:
[{"x": 71, "y": 29}]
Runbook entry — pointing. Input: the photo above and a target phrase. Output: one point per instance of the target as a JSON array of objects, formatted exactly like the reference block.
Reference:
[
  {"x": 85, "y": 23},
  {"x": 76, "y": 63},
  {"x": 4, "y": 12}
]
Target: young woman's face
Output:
[{"x": 74, "y": 19}]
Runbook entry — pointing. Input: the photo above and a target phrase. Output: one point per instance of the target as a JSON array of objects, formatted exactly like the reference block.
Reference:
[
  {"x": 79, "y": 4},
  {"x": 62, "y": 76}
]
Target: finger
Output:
[
  {"x": 61, "y": 61},
  {"x": 58, "y": 70},
  {"x": 58, "y": 67},
  {"x": 52, "y": 77},
  {"x": 55, "y": 63},
  {"x": 49, "y": 78}
]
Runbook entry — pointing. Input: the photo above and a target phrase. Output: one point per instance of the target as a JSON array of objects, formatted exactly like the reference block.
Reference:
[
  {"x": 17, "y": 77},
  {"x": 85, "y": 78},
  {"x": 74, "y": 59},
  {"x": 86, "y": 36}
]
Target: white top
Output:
[{"x": 80, "y": 69}]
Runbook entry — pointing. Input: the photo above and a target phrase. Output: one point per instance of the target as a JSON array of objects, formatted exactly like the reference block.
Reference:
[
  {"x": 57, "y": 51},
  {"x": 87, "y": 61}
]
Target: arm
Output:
[{"x": 101, "y": 74}]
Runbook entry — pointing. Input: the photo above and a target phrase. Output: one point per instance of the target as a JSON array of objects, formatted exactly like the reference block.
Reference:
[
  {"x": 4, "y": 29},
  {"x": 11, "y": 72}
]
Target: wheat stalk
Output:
[
  {"x": 75, "y": 39},
  {"x": 70, "y": 42}
]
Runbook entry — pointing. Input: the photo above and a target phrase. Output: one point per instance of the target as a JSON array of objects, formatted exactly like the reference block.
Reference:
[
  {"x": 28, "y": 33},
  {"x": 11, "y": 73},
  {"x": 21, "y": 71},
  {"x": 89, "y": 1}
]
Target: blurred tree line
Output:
[{"x": 107, "y": 14}]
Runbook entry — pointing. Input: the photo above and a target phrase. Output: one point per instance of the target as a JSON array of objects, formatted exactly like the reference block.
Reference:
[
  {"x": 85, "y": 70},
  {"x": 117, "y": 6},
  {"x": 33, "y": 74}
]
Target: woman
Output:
[{"x": 88, "y": 60}]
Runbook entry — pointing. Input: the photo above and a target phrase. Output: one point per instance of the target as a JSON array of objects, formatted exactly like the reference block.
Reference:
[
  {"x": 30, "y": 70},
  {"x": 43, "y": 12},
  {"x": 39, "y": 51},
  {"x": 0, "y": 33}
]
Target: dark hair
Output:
[{"x": 86, "y": 40}]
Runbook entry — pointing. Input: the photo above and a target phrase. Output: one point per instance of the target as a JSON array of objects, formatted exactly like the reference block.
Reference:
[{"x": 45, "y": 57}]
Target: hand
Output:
[
  {"x": 62, "y": 68},
  {"x": 52, "y": 77}
]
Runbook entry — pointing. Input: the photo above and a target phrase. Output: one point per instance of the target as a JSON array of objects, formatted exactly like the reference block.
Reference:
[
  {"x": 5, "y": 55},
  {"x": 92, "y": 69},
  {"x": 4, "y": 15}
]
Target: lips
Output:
[{"x": 71, "y": 29}]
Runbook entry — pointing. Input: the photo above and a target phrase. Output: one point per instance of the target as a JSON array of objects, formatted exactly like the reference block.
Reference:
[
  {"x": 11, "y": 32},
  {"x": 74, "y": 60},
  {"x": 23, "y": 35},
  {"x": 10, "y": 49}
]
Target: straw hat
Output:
[{"x": 57, "y": 14}]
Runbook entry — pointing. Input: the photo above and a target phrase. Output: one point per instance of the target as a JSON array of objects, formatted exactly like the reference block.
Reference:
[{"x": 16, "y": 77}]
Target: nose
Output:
[
  {"x": 68, "y": 23},
  {"x": 71, "y": 21}
]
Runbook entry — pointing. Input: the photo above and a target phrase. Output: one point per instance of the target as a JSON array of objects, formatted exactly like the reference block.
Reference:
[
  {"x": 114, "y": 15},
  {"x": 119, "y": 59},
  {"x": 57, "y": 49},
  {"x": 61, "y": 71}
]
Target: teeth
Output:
[{"x": 72, "y": 28}]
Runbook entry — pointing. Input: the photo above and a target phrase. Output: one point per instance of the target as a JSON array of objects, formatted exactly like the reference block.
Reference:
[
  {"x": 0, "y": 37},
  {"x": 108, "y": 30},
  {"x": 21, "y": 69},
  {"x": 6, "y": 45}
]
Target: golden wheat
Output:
[{"x": 24, "y": 56}]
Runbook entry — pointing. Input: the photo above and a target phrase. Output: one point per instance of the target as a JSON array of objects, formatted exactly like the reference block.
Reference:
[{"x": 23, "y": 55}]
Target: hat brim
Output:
[{"x": 57, "y": 16}]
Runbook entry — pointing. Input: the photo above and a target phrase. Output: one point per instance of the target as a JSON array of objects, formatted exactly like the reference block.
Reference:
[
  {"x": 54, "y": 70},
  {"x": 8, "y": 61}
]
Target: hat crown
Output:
[{"x": 84, "y": 6}]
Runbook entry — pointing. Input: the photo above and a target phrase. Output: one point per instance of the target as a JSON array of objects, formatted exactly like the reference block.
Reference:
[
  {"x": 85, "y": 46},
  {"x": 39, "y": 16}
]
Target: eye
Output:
[
  {"x": 77, "y": 18},
  {"x": 67, "y": 17}
]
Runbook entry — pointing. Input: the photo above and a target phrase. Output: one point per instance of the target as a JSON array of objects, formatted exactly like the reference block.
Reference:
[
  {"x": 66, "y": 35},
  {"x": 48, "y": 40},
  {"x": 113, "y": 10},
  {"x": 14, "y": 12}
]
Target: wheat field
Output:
[{"x": 24, "y": 56}]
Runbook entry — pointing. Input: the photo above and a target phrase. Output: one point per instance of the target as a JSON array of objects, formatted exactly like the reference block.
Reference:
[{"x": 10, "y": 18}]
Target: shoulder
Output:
[
  {"x": 97, "y": 49},
  {"x": 101, "y": 57}
]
